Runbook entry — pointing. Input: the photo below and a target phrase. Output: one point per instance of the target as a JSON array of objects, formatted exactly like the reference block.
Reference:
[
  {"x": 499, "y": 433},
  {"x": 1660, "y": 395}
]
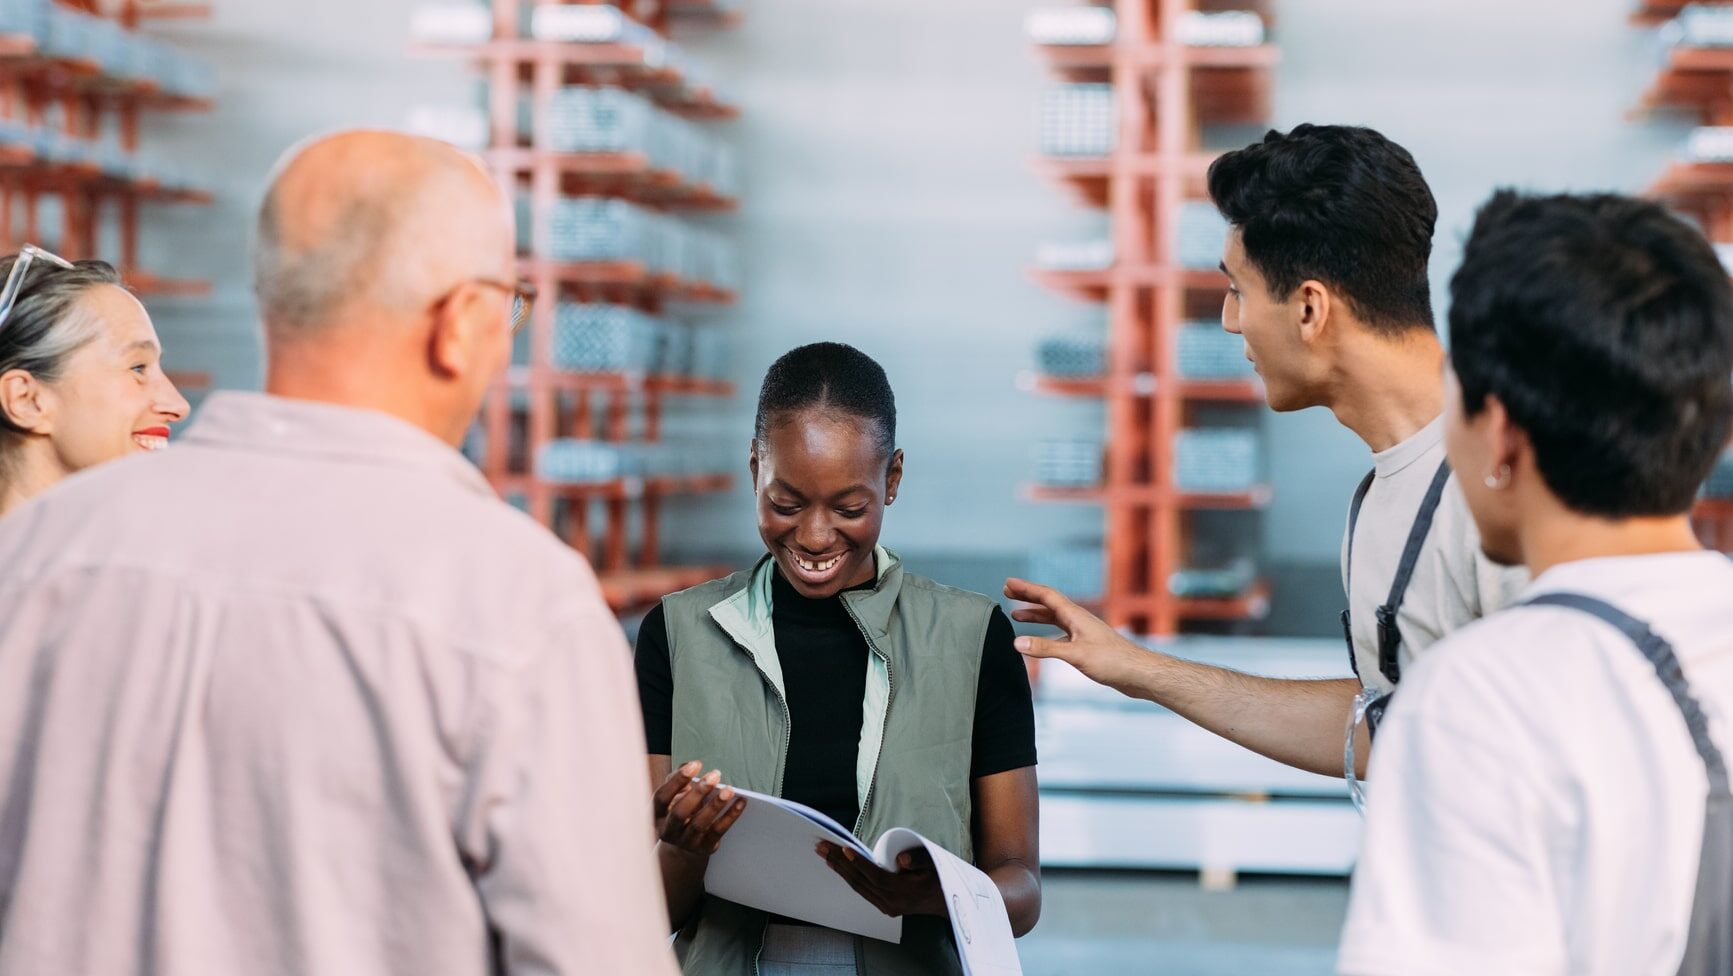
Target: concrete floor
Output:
[{"x": 1106, "y": 923}]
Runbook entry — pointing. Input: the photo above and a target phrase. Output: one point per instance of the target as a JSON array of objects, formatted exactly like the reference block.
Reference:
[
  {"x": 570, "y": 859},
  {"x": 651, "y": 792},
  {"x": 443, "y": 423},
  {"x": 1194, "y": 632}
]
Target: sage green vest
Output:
[{"x": 916, "y": 741}]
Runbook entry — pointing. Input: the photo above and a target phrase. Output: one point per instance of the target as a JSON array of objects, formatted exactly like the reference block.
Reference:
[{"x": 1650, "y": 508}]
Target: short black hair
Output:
[
  {"x": 1339, "y": 204},
  {"x": 1605, "y": 326},
  {"x": 829, "y": 375}
]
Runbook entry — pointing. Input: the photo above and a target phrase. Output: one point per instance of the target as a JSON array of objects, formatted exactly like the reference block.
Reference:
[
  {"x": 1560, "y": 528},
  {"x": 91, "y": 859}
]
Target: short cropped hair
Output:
[
  {"x": 1604, "y": 325},
  {"x": 1337, "y": 204},
  {"x": 831, "y": 376}
]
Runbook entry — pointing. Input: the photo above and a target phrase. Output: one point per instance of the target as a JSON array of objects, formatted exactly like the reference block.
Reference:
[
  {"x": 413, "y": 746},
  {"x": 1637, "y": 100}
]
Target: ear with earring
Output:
[{"x": 1500, "y": 480}]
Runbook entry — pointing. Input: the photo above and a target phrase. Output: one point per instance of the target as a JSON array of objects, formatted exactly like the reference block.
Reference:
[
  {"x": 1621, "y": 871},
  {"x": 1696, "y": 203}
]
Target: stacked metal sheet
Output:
[
  {"x": 71, "y": 34},
  {"x": 62, "y": 32},
  {"x": 571, "y": 461},
  {"x": 574, "y": 461},
  {"x": 1223, "y": 28},
  {"x": 1069, "y": 462},
  {"x": 1075, "y": 256},
  {"x": 50, "y": 143},
  {"x": 709, "y": 357},
  {"x": 1203, "y": 234},
  {"x": 1078, "y": 570},
  {"x": 1215, "y": 459},
  {"x": 596, "y": 119},
  {"x": 588, "y": 24},
  {"x": 452, "y": 23},
  {"x": 604, "y": 24},
  {"x": 605, "y": 338},
  {"x": 1072, "y": 356},
  {"x": 1710, "y": 144},
  {"x": 1700, "y": 25},
  {"x": 24, "y": 17},
  {"x": 1227, "y": 581},
  {"x": 594, "y": 338},
  {"x": 1078, "y": 25},
  {"x": 16, "y": 133},
  {"x": 1078, "y": 120},
  {"x": 599, "y": 119},
  {"x": 602, "y": 229},
  {"x": 1206, "y": 351},
  {"x": 465, "y": 23},
  {"x": 674, "y": 349}
]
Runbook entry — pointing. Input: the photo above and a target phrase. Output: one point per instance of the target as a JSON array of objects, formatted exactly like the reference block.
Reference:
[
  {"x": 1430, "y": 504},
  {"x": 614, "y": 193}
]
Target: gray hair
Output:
[
  {"x": 42, "y": 333},
  {"x": 303, "y": 287},
  {"x": 387, "y": 235}
]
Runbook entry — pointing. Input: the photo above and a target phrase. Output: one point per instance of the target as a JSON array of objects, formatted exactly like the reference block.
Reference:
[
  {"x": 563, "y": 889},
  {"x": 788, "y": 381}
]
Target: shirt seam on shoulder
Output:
[{"x": 198, "y": 581}]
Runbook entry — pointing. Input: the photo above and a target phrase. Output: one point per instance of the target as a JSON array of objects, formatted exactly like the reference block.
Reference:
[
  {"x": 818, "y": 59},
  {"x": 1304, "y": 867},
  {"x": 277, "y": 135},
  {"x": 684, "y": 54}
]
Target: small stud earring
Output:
[{"x": 1500, "y": 480}]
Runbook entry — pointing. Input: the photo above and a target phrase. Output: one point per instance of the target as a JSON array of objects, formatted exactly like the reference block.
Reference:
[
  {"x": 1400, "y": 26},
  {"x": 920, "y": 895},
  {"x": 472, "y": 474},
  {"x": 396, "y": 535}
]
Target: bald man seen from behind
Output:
[{"x": 300, "y": 694}]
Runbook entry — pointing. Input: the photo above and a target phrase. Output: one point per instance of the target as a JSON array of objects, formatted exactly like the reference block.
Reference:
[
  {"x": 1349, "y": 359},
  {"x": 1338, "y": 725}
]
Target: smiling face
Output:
[
  {"x": 1271, "y": 329},
  {"x": 822, "y": 481},
  {"x": 113, "y": 398}
]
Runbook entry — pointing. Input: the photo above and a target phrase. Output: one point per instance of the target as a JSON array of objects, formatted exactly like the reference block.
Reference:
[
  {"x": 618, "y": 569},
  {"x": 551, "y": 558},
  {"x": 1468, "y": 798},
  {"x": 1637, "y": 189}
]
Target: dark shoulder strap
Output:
[
  {"x": 1667, "y": 667},
  {"x": 1417, "y": 534},
  {"x": 1353, "y": 521},
  {"x": 1709, "y": 933}
]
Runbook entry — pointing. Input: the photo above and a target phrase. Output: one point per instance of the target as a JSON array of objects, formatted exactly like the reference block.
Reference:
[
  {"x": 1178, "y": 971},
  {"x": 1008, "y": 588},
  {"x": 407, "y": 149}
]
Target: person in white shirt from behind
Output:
[{"x": 1537, "y": 798}]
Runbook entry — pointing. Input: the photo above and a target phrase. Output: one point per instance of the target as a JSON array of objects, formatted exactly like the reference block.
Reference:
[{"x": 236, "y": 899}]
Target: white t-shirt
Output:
[
  {"x": 1453, "y": 583},
  {"x": 1535, "y": 803}
]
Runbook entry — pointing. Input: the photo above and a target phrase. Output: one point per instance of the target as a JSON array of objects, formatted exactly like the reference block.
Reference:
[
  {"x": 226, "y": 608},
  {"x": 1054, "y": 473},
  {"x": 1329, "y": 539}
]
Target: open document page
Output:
[{"x": 768, "y": 861}]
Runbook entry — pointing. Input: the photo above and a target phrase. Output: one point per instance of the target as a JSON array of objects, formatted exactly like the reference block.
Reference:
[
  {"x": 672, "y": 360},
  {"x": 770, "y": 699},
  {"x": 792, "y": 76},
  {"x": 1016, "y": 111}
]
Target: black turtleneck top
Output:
[{"x": 824, "y": 667}]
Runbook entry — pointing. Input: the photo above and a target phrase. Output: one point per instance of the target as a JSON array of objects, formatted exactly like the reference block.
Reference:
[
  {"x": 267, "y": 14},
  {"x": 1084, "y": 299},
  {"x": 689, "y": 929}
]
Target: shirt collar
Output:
[
  {"x": 283, "y": 426},
  {"x": 1398, "y": 457}
]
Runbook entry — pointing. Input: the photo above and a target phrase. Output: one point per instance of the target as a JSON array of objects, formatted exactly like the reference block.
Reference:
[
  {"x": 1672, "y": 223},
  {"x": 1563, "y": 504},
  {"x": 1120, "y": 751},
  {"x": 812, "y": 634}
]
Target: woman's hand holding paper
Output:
[
  {"x": 912, "y": 889},
  {"x": 693, "y": 812}
]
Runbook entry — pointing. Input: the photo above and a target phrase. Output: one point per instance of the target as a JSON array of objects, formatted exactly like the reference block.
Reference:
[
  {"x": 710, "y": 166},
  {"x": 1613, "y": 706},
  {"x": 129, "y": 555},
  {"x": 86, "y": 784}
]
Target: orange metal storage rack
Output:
[
  {"x": 1166, "y": 91},
  {"x": 30, "y": 82},
  {"x": 561, "y": 403}
]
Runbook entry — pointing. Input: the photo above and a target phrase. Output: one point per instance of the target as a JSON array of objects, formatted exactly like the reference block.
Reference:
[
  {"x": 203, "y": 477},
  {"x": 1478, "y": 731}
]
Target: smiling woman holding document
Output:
[{"x": 830, "y": 676}]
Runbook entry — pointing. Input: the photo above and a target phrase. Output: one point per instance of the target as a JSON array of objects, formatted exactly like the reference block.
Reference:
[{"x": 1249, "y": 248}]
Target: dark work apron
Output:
[
  {"x": 1709, "y": 940},
  {"x": 1389, "y": 635}
]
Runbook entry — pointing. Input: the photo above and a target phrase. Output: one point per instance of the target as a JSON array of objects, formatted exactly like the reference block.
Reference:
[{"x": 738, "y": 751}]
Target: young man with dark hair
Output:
[
  {"x": 1330, "y": 232},
  {"x": 1550, "y": 790}
]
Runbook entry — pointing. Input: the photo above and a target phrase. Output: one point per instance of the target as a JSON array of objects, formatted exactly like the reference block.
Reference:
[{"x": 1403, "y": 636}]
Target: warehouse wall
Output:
[
  {"x": 286, "y": 70},
  {"x": 891, "y": 203}
]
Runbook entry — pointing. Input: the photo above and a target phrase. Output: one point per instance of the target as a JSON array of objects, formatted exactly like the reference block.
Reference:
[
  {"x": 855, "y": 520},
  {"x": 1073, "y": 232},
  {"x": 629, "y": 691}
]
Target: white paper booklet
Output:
[{"x": 768, "y": 861}]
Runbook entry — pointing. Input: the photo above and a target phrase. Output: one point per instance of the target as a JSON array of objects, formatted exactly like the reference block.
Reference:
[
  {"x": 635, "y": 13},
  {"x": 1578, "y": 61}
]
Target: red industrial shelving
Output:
[
  {"x": 533, "y": 405},
  {"x": 31, "y": 82},
  {"x": 1166, "y": 91},
  {"x": 1653, "y": 12}
]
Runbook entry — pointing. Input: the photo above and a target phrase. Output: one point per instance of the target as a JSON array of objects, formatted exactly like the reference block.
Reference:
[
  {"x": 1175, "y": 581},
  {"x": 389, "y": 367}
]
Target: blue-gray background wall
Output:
[{"x": 890, "y": 202}]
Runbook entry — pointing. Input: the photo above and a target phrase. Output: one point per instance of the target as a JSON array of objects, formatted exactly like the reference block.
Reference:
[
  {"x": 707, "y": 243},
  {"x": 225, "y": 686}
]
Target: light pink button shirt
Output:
[{"x": 302, "y": 696}]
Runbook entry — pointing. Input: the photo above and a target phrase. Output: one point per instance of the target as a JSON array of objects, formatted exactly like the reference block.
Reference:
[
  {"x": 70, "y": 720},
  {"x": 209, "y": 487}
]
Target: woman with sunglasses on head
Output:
[
  {"x": 831, "y": 676},
  {"x": 81, "y": 379}
]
